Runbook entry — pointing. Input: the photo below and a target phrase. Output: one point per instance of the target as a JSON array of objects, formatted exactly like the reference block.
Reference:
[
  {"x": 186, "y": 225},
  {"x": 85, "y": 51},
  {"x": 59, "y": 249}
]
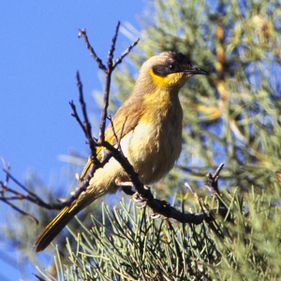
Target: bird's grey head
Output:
[{"x": 168, "y": 70}]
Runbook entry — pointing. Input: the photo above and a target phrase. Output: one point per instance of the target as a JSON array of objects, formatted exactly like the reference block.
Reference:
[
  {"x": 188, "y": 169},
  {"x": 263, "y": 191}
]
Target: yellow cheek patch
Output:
[{"x": 165, "y": 81}]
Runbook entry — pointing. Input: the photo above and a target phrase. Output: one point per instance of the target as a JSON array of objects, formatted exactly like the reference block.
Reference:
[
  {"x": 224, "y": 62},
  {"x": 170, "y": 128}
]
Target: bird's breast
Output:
[{"x": 155, "y": 143}]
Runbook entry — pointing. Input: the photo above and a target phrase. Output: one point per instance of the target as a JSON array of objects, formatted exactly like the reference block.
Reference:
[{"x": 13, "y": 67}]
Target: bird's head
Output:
[{"x": 168, "y": 70}]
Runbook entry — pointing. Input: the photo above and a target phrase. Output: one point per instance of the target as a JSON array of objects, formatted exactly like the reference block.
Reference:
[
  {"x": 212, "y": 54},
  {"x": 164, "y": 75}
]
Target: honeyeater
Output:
[{"x": 149, "y": 128}]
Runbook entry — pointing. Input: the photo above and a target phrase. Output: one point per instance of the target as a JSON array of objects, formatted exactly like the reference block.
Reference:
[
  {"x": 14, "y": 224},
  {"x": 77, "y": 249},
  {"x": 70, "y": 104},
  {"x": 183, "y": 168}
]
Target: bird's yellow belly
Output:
[{"x": 153, "y": 149}]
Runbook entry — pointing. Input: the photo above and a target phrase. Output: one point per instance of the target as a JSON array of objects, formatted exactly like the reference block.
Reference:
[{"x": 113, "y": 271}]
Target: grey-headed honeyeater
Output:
[{"x": 150, "y": 122}]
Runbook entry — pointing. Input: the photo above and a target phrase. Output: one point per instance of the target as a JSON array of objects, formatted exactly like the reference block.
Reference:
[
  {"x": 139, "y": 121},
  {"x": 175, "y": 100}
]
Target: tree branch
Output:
[
  {"x": 83, "y": 34},
  {"x": 85, "y": 125}
]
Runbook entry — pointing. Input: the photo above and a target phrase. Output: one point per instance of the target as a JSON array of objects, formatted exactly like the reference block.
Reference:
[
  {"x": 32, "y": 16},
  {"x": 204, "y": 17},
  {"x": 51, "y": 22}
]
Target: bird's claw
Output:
[
  {"x": 164, "y": 203},
  {"x": 120, "y": 183},
  {"x": 142, "y": 202},
  {"x": 137, "y": 198},
  {"x": 155, "y": 216},
  {"x": 126, "y": 186}
]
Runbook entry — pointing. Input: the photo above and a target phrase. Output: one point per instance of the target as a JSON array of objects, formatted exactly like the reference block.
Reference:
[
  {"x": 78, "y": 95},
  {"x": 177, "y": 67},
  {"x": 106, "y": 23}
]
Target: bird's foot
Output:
[
  {"x": 140, "y": 199},
  {"x": 120, "y": 183},
  {"x": 155, "y": 216},
  {"x": 126, "y": 186},
  {"x": 146, "y": 187},
  {"x": 141, "y": 202}
]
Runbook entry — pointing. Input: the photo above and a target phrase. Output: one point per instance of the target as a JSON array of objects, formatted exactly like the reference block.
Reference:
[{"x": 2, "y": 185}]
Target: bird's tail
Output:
[{"x": 56, "y": 225}]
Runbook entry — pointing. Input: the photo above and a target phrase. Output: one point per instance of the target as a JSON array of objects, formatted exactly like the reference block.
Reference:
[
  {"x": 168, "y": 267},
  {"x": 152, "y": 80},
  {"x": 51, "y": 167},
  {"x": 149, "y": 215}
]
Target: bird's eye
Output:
[{"x": 171, "y": 66}]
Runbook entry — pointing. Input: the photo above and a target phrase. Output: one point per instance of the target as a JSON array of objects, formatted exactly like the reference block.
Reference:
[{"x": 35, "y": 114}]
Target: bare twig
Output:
[
  {"x": 30, "y": 196},
  {"x": 112, "y": 49},
  {"x": 22, "y": 212},
  {"x": 213, "y": 179},
  {"x": 125, "y": 53},
  {"x": 18, "y": 183},
  {"x": 105, "y": 106},
  {"x": 111, "y": 65},
  {"x": 76, "y": 116},
  {"x": 117, "y": 138},
  {"x": 85, "y": 125},
  {"x": 212, "y": 184},
  {"x": 109, "y": 70},
  {"x": 83, "y": 34}
]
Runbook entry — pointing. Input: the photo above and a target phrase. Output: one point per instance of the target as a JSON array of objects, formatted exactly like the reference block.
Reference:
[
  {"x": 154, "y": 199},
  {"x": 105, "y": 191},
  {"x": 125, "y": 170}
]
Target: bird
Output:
[{"x": 149, "y": 130}]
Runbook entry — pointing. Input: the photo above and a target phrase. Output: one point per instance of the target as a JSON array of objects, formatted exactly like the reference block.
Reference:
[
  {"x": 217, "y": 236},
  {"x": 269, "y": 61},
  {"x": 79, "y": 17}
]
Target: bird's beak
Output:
[{"x": 195, "y": 70}]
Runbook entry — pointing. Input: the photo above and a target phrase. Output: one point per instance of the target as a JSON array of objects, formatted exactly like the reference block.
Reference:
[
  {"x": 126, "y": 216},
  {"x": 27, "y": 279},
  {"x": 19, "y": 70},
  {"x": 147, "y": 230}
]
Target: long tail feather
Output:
[{"x": 55, "y": 227}]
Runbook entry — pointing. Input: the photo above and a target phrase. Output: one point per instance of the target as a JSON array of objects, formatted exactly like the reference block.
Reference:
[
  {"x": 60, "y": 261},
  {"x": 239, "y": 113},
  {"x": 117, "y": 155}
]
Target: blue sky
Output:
[{"x": 39, "y": 55}]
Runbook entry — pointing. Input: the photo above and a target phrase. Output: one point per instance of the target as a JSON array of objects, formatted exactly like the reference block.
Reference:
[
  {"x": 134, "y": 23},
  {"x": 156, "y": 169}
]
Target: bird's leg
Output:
[
  {"x": 127, "y": 187},
  {"x": 139, "y": 199},
  {"x": 146, "y": 187},
  {"x": 155, "y": 216}
]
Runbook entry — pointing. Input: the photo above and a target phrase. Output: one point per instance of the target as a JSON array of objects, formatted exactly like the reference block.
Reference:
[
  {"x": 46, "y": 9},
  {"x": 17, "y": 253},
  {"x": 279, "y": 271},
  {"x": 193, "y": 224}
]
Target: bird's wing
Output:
[{"x": 125, "y": 120}]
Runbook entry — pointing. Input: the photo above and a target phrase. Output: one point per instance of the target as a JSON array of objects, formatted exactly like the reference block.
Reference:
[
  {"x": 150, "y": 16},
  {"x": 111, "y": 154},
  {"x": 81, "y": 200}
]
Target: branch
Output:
[
  {"x": 82, "y": 34},
  {"x": 125, "y": 53},
  {"x": 112, "y": 48},
  {"x": 85, "y": 125},
  {"x": 111, "y": 65},
  {"x": 212, "y": 183},
  {"x": 10, "y": 195}
]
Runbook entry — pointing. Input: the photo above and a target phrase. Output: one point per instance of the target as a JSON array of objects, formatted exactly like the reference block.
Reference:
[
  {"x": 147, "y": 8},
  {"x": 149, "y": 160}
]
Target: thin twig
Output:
[
  {"x": 105, "y": 107},
  {"x": 87, "y": 125},
  {"x": 17, "y": 182},
  {"x": 20, "y": 210},
  {"x": 212, "y": 184},
  {"x": 117, "y": 138},
  {"x": 125, "y": 53},
  {"x": 83, "y": 34},
  {"x": 76, "y": 116},
  {"x": 30, "y": 196},
  {"x": 112, "y": 49}
]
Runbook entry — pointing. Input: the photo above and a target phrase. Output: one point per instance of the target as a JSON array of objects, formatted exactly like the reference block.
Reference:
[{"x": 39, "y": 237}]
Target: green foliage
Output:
[
  {"x": 137, "y": 247},
  {"x": 129, "y": 245},
  {"x": 251, "y": 248}
]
